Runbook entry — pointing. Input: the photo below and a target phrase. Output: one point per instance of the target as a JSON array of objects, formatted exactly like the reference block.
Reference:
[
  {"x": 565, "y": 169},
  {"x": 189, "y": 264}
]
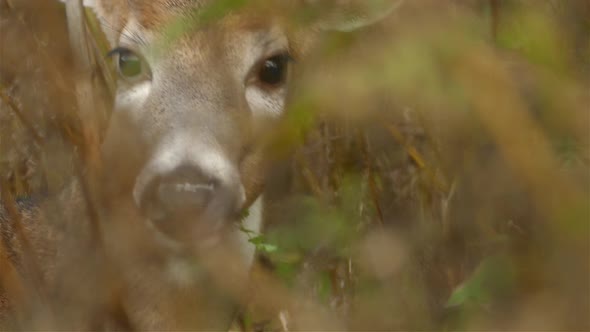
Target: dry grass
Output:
[{"x": 439, "y": 180}]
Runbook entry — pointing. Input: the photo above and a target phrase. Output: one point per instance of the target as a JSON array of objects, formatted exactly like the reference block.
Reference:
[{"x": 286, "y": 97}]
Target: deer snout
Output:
[
  {"x": 189, "y": 204},
  {"x": 185, "y": 190}
]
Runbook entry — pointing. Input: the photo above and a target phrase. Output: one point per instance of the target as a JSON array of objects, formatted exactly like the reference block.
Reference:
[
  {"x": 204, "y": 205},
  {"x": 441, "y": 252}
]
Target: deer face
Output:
[
  {"x": 192, "y": 110},
  {"x": 193, "y": 99}
]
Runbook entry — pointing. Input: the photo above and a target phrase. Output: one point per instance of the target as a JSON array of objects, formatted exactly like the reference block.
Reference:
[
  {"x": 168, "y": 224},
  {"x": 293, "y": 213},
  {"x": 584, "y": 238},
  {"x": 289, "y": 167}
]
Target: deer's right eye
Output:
[{"x": 129, "y": 65}]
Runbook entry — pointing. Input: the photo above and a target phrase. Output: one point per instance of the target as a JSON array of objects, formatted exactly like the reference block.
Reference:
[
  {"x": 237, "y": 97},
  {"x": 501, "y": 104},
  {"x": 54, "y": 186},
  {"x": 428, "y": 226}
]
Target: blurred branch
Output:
[
  {"x": 84, "y": 90},
  {"x": 28, "y": 259},
  {"x": 87, "y": 109},
  {"x": 52, "y": 68},
  {"x": 100, "y": 47},
  {"x": 523, "y": 143},
  {"x": 10, "y": 282},
  {"x": 19, "y": 114},
  {"x": 92, "y": 118},
  {"x": 495, "y": 18}
]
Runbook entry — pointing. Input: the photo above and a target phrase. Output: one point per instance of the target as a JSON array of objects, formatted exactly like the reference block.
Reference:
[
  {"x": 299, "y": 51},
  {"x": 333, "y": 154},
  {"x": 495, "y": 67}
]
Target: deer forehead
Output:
[
  {"x": 158, "y": 15},
  {"x": 149, "y": 12},
  {"x": 232, "y": 37}
]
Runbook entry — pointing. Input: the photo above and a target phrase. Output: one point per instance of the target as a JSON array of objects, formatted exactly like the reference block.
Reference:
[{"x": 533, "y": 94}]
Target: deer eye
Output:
[
  {"x": 129, "y": 65},
  {"x": 273, "y": 70}
]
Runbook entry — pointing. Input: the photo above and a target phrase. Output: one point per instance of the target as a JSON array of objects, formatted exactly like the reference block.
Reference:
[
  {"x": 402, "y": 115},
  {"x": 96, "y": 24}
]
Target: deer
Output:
[{"x": 192, "y": 105}]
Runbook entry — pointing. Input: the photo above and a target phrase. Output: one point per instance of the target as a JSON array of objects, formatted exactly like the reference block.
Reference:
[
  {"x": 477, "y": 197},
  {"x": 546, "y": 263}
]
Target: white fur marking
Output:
[
  {"x": 253, "y": 223},
  {"x": 264, "y": 103},
  {"x": 182, "y": 150},
  {"x": 130, "y": 100}
]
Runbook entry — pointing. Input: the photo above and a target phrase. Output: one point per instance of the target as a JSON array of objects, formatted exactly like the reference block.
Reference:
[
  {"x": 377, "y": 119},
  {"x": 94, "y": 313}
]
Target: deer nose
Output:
[{"x": 186, "y": 203}]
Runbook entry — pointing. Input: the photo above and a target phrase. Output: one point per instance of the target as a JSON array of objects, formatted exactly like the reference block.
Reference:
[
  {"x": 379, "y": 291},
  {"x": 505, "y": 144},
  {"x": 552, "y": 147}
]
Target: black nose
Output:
[{"x": 187, "y": 203}]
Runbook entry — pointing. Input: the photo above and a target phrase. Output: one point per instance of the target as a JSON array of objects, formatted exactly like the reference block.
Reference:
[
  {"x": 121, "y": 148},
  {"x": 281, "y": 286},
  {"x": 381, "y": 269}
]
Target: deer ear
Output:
[{"x": 349, "y": 15}]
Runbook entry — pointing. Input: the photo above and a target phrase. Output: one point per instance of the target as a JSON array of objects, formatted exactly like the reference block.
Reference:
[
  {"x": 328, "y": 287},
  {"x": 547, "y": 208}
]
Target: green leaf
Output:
[
  {"x": 492, "y": 278},
  {"x": 261, "y": 245}
]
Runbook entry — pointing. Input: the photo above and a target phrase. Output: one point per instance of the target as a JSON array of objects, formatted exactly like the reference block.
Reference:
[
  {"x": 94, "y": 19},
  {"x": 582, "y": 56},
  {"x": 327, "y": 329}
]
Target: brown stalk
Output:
[
  {"x": 416, "y": 157},
  {"x": 85, "y": 49},
  {"x": 99, "y": 44},
  {"x": 370, "y": 175},
  {"x": 52, "y": 67},
  {"x": 309, "y": 177},
  {"x": 85, "y": 96},
  {"x": 29, "y": 261},
  {"x": 19, "y": 114},
  {"x": 10, "y": 282},
  {"x": 495, "y": 10}
]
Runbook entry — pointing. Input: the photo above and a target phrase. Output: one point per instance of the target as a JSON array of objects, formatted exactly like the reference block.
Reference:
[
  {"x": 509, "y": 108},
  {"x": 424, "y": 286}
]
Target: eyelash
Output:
[{"x": 116, "y": 51}]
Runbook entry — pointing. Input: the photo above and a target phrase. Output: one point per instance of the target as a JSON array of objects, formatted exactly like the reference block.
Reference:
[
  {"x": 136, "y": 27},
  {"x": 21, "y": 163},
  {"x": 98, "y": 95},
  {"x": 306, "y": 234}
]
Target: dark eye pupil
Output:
[
  {"x": 273, "y": 70},
  {"x": 129, "y": 64}
]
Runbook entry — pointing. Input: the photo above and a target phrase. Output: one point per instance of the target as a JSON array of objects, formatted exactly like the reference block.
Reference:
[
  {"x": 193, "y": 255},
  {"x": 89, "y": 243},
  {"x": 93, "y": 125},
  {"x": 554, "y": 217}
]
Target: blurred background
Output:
[{"x": 432, "y": 173}]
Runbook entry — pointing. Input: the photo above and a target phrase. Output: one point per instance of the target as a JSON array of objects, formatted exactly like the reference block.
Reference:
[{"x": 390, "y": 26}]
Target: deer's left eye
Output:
[
  {"x": 273, "y": 71},
  {"x": 129, "y": 64}
]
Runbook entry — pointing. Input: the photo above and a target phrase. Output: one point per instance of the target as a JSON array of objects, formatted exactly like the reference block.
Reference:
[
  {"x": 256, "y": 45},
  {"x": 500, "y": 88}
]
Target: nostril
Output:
[{"x": 184, "y": 197}]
